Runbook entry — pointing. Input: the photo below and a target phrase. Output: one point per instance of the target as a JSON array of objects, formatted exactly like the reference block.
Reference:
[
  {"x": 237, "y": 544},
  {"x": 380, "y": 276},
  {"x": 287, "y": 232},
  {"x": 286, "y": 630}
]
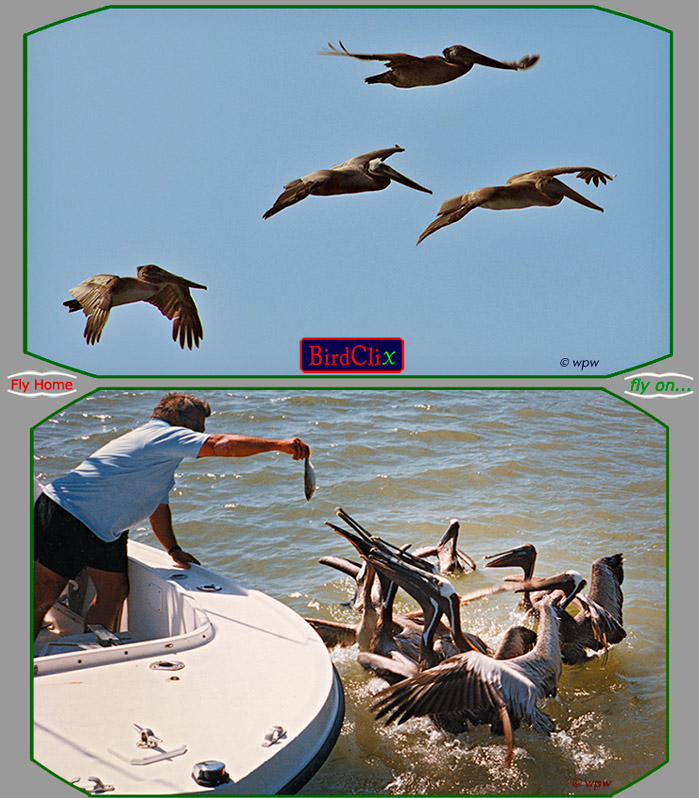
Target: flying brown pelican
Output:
[
  {"x": 540, "y": 187},
  {"x": 97, "y": 295},
  {"x": 451, "y": 560},
  {"x": 499, "y": 692},
  {"x": 407, "y": 71},
  {"x": 367, "y": 172}
]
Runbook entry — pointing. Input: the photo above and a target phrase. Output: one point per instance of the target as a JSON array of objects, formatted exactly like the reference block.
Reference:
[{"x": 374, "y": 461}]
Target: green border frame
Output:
[
  {"x": 229, "y": 388},
  {"x": 346, "y": 376}
]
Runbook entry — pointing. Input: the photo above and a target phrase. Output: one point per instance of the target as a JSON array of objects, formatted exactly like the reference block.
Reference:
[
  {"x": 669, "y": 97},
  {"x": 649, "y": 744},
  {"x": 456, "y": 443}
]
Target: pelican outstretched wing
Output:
[
  {"x": 452, "y": 210},
  {"x": 94, "y": 297},
  {"x": 484, "y": 689},
  {"x": 605, "y": 585},
  {"x": 294, "y": 192},
  {"x": 175, "y": 302},
  {"x": 605, "y": 629},
  {"x": 361, "y": 160},
  {"x": 459, "y": 53},
  {"x": 540, "y": 177},
  {"x": 390, "y": 59}
]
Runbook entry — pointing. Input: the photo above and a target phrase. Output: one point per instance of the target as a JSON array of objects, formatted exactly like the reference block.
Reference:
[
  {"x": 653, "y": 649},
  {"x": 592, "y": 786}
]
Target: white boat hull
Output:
[{"x": 209, "y": 671}]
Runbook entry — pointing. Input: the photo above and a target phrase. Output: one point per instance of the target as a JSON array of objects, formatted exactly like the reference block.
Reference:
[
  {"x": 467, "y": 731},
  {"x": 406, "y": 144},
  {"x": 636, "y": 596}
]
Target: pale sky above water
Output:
[{"x": 162, "y": 136}]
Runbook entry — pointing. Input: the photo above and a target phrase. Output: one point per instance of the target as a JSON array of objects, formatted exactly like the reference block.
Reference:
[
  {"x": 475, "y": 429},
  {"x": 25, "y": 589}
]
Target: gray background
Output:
[{"x": 19, "y": 413}]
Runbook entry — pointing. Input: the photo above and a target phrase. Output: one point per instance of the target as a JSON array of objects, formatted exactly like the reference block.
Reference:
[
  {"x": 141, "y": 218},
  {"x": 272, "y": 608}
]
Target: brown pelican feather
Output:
[
  {"x": 408, "y": 71},
  {"x": 97, "y": 295},
  {"x": 367, "y": 172},
  {"x": 525, "y": 190}
]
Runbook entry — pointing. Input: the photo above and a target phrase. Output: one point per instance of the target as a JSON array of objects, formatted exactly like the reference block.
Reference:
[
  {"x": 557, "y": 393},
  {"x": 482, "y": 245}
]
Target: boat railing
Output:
[
  {"x": 159, "y": 618},
  {"x": 89, "y": 654}
]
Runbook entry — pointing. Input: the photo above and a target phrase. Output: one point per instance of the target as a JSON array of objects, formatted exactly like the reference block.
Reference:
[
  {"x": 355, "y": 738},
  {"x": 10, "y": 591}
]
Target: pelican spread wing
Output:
[
  {"x": 461, "y": 54},
  {"x": 542, "y": 176},
  {"x": 452, "y": 210},
  {"x": 293, "y": 192},
  {"x": 605, "y": 585},
  {"x": 362, "y": 160},
  {"x": 175, "y": 302},
  {"x": 390, "y": 59},
  {"x": 483, "y": 689},
  {"x": 94, "y": 297}
]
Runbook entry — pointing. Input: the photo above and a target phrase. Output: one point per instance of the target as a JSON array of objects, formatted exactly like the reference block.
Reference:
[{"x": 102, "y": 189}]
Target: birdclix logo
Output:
[{"x": 351, "y": 355}]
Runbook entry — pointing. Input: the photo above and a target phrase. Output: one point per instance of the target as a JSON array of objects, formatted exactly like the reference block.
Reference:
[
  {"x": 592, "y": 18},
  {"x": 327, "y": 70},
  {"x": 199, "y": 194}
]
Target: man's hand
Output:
[
  {"x": 184, "y": 559},
  {"x": 295, "y": 447}
]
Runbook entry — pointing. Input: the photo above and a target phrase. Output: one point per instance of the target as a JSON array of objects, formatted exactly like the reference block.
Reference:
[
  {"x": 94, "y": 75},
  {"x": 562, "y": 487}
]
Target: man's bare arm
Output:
[{"x": 225, "y": 445}]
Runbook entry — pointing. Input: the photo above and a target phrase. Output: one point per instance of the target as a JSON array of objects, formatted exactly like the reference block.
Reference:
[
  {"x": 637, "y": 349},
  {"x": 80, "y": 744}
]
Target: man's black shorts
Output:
[{"x": 64, "y": 545}]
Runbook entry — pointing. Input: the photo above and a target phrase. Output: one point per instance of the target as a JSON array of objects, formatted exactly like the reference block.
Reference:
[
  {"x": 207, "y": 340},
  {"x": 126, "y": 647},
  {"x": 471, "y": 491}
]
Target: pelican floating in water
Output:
[
  {"x": 599, "y": 622},
  {"x": 367, "y": 172},
  {"x": 97, "y": 295},
  {"x": 433, "y": 592},
  {"x": 378, "y": 630},
  {"x": 499, "y": 692},
  {"x": 451, "y": 560},
  {"x": 408, "y": 71},
  {"x": 526, "y": 190}
]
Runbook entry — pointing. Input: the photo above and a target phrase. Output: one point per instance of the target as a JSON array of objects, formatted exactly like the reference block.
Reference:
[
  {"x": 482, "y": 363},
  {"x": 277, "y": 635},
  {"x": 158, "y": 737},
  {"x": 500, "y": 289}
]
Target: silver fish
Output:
[{"x": 309, "y": 478}]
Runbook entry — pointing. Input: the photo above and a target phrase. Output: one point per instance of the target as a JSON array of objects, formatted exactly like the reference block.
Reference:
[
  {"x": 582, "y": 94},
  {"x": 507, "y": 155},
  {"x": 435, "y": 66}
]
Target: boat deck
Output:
[{"x": 205, "y": 670}]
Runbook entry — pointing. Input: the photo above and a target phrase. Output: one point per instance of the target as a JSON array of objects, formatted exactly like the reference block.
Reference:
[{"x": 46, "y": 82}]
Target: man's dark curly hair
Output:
[{"x": 175, "y": 407}]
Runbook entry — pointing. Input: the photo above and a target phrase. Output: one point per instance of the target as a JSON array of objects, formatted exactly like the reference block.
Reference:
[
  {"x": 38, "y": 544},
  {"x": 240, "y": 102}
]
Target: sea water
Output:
[{"x": 579, "y": 473}]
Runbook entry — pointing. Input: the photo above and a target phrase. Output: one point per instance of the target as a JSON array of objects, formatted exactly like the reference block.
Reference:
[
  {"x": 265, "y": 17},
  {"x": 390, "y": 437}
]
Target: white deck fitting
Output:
[{"x": 250, "y": 663}]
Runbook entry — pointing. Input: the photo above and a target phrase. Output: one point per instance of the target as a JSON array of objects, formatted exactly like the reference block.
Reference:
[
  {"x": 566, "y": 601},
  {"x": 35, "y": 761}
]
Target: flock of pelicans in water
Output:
[
  {"x": 97, "y": 295},
  {"x": 440, "y": 670}
]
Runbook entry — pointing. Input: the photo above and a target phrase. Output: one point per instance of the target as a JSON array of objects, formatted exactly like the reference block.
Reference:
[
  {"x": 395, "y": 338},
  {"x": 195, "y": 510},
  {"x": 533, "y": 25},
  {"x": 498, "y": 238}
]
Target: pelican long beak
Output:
[
  {"x": 578, "y": 587},
  {"x": 389, "y": 171},
  {"x": 521, "y": 557},
  {"x": 154, "y": 274},
  {"x": 185, "y": 281},
  {"x": 451, "y": 534},
  {"x": 572, "y": 194},
  {"x": 570, "y": 582}
]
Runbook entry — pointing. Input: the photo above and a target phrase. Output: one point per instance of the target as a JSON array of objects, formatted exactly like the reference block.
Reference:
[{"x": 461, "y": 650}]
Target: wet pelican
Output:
[
  {"x": 378, "y": 629},
  {"x": 407, "y": 71},
  {"x": 499, "y": 692},
  {"x": 451, "y": 560},
  {"x": 523, "y": 557},
  {"x": 433, "y": 592},
  {"x": 334, "y": 633},
  {"x": 516, "y": 641},
  {"x": 526, "y": 190},
  {"x": 599, "y": 622},
  {"x": 402, "y": 633},
  {"x": 97, "y": 295},
  {"x": 367, "y": 172}
]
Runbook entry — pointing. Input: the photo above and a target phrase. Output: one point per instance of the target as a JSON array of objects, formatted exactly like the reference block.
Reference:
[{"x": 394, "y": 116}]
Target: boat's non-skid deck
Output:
[{"x": 256, "y": 692}]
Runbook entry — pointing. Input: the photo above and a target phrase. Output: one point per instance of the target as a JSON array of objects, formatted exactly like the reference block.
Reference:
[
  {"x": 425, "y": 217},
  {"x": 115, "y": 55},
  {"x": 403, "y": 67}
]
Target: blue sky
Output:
[{"x": 162, "y": 135}]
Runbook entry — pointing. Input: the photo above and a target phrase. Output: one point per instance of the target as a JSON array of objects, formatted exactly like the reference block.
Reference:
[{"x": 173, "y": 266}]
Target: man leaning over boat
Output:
[{"x": 82, "y": 519}]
